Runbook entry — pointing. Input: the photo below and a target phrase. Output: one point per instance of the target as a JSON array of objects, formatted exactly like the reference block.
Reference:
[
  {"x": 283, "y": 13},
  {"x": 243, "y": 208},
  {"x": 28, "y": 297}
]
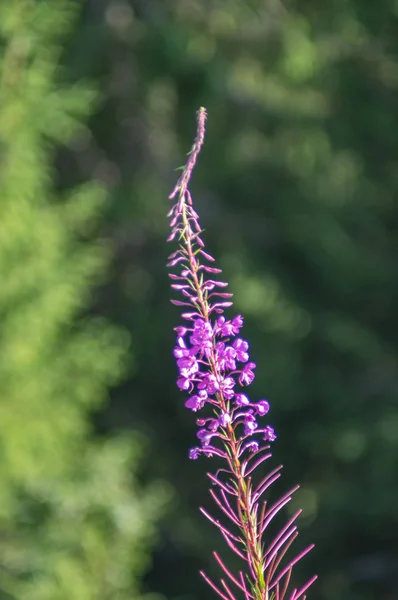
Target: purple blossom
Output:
[
  {"x": 225, "y": 356},
  {"x": 188, "y": 366},
  {"x": 226, "y": 328},
  {"x": 252, "y": 446},
  {"x": 227, "y": 388},
  {"x": 241, "y": 400},
  {"x": 241, "y": 348},
  {"x": 269, "y": 434},
  {"x": 202, "y": 336},
  {"x": 246, "y": 376},
  {"x": 181, "y": 331},
  {"x": 262, "y": 407},
  {"x": 224, "y": 419},
  {"x": 197, "y": 401},
  {"x": 181, "y": 350},
  {"x": 205, "y": 436},
  {"x": 194, "y": 453},
  {"x": 184, "y": 383},
  {"x": 213, "y": 425},
  {"x": 209, "y": 383},
  {"x": 231, "y": 427},
  {"x": 250, "y": 423}
]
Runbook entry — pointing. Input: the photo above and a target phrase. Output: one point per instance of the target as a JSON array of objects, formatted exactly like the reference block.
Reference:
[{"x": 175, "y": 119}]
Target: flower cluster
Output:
[
  {"x": 214, "y": 368},
  {"x": 210, "y": 365}
]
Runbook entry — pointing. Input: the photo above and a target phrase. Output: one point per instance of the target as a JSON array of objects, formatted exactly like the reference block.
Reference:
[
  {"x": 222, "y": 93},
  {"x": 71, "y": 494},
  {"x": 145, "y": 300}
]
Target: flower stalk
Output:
[{"x": 214, "y": 368}]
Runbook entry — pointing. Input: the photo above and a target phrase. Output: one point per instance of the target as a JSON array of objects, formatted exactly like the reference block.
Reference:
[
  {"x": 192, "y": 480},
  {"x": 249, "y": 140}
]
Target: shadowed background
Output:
[{"x": 297, "y": 190}]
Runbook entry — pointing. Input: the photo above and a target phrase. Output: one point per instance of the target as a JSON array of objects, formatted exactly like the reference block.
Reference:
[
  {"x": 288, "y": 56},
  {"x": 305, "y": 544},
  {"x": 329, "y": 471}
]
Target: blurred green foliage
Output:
[
  {"x": 74, "y": 523},
  {"x": 297, "y": 189}
]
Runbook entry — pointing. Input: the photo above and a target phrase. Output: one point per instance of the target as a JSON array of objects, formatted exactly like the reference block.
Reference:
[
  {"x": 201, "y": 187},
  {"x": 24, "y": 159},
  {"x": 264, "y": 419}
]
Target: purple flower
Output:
[
  {"x": 226, "y": 328},
  {"x": 230, "y": 427},
  {"x": 194, "y": 453},
  {"x": 236, "y": 323},
  {"x": 252, "y": 446},
  {"x": 188, "y": 366},
  {"x": 241, "y": 400},
  {"x": 262, "y": 407},
  {"x": 205, "y": 436},
  {"x": 246, "y": 375},
  {"x": 269, "y": 434},
  {"x": 213, "y": 425},
  {"x": 181, "y": 350},
  {"x": 225, "y": 357},
  {"x": 209, "y": 383},
  {"x": 197, "y": 402},
  {"x": 227, "y": 387},
  {"x": 184, "y": 383},
  {"x": 250, "y": 423},
  {"x": 181, "y": 331},
  {"x": 224, "y": 419},
  {"x": 202, "y": 336},
  {"x": 241, "y": 347}
]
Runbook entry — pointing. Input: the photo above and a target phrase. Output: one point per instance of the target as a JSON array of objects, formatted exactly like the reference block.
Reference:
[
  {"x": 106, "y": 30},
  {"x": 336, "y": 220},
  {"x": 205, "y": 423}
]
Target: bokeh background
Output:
[{"x": 297, "y": 188}]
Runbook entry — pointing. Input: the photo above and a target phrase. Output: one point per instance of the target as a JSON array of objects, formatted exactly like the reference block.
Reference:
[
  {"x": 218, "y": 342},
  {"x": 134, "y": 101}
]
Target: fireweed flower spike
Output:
[{"x": 214, "y": 368}]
